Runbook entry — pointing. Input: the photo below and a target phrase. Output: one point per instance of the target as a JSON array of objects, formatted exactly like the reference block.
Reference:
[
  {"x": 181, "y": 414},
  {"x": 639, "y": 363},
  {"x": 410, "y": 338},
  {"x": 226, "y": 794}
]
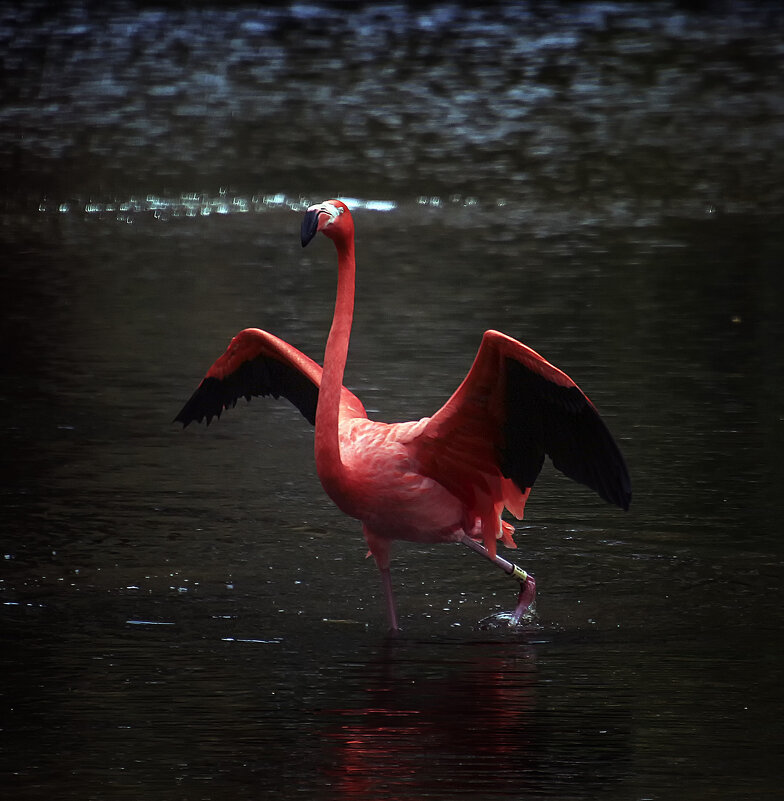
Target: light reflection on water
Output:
[
  {"x": 551, "y": 104},
  {"x": 184, "y": 614},
  {"x": 192, "y": 204}
]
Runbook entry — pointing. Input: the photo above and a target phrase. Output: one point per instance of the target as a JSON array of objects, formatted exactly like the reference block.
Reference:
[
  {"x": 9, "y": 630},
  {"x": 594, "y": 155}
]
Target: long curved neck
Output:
[{"x": 328, "y": 463}]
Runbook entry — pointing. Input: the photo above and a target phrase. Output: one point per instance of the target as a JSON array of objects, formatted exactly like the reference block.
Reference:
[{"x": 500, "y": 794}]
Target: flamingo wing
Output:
[
  {"x": 511, "y": 410},
  {"x": 255, "y": 363}
]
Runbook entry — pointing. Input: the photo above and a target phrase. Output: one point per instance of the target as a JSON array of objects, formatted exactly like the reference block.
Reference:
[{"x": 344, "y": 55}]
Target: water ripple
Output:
[{"x": 604, "y": 103}]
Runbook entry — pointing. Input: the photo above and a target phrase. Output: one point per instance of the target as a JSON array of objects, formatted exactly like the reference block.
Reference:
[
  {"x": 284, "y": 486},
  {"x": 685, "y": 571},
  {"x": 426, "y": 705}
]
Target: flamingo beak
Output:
[{"x": 310, "y": 226}]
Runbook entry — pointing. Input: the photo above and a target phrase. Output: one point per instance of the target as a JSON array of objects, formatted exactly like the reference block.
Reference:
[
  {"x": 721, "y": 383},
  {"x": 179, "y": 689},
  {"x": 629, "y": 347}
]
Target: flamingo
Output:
[{"x": 444, "y": 478}]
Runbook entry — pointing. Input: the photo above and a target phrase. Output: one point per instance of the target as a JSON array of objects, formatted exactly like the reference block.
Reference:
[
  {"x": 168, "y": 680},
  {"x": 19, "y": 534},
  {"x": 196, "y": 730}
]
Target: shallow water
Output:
[{"x": 185, "y": 614}]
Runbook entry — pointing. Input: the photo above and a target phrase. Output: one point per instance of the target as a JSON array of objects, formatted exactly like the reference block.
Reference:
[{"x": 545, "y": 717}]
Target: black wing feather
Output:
[
  {"x": 559, "y": 421},
  {"x": 262, "y": 375}
]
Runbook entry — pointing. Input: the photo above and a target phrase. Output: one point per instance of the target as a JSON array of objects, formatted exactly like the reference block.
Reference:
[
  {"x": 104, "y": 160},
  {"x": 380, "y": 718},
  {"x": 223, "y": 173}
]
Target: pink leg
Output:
[
  {"x": 524, "y": 600},
  {"x": 527, "y": 583},
  {"x": 380, "y": 549},
  {"x": 389, "y": 597}
]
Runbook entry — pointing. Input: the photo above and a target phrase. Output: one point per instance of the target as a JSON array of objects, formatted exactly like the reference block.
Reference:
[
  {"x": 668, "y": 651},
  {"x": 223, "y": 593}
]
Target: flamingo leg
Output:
[
  {"x": 389, "y": 598},
  {"x": 527, "y": 593},
  {"x": 379, "y": 550}
]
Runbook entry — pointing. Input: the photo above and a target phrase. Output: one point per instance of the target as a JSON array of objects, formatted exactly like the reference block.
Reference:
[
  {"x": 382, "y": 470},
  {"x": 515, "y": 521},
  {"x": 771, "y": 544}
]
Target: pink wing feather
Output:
[
  {"x": 259, "y": 363},
  {"x": 511, "y": 409}
]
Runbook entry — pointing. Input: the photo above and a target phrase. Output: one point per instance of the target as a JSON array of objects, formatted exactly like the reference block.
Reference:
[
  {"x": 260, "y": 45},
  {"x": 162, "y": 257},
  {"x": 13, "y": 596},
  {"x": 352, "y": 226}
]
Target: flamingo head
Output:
[{"x": 332, "y": 217}]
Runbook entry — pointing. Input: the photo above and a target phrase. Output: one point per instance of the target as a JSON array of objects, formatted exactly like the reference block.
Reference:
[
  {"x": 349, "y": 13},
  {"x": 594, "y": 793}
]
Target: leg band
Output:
[{"x": 519, "y": 574}]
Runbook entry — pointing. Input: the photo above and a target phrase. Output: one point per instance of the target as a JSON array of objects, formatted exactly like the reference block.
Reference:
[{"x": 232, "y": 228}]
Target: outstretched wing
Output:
[
  {"x": 255, "y": 363},
  {"x": 511, "y": 410}
]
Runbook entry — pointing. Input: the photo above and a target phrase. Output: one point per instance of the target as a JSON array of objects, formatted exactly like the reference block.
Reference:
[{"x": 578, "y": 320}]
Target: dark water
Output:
[{"x": 184, "y": 614}]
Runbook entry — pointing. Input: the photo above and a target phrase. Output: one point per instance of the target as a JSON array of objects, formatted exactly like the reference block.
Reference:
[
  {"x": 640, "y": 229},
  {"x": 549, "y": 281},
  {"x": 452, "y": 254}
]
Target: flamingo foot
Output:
[
  {"x": 527, "y": 596},
  {"x": 525, "y": 600}
]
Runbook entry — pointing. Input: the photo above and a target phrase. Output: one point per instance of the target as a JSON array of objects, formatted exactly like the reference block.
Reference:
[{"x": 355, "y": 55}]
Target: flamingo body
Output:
[{"x": 443, "y": 478}]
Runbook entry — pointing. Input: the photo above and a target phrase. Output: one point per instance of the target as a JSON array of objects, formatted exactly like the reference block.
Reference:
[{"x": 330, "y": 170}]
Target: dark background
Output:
[{"x": 184, "y": 614}]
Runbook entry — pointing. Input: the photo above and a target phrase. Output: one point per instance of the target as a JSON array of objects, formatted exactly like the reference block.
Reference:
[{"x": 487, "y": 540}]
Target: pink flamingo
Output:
[{"x": 445, "y": 478}]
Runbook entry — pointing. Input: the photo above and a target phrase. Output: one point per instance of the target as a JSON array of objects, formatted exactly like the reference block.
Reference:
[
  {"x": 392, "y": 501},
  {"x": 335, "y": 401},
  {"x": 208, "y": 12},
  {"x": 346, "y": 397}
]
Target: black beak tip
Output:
[{"x": 309, "y": 227}]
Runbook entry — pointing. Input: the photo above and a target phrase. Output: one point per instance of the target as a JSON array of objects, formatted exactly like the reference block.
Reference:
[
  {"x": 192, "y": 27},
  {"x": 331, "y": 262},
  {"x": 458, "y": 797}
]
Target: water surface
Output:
[{"x": 185, "y": 614}]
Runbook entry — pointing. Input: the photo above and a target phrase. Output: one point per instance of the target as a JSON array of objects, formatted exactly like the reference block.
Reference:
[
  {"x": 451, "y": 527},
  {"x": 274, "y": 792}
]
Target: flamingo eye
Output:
[{"x": 333, "y": 211}]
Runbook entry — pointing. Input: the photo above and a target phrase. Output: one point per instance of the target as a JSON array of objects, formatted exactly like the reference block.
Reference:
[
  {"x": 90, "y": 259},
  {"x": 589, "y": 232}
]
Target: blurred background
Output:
[{"x": 185, "y": 614}]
